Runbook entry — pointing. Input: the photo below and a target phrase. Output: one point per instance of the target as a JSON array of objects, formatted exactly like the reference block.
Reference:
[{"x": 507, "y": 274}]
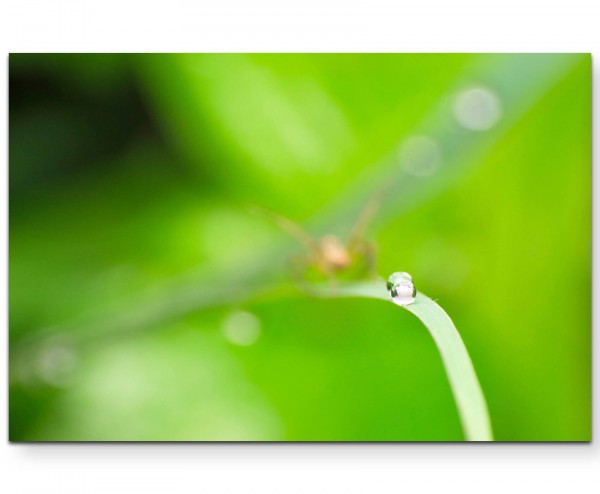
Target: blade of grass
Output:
[
  {"x": 464, "y": 384},
  {"x": 471, "y": 404}
]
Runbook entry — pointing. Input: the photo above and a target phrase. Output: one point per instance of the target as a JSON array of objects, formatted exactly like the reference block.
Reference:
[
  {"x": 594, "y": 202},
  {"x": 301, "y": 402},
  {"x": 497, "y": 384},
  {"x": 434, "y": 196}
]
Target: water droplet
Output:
[{"x": 401, "y": 288}]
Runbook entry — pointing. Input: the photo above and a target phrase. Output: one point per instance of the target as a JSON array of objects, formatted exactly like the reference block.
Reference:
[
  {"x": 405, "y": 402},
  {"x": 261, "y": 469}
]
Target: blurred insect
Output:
[{"x": 330, "y": 256}]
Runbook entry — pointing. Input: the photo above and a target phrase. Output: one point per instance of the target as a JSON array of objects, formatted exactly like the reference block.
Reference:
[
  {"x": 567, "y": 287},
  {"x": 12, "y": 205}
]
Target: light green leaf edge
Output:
[{"x": 470, "y": 401}]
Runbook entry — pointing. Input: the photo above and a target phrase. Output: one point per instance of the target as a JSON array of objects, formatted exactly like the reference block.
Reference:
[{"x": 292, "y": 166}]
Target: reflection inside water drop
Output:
[{"x": 401, "y": 288}]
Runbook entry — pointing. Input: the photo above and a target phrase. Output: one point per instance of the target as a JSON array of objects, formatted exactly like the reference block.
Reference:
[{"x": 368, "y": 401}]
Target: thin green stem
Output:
[{"x": 471, "y": 404}]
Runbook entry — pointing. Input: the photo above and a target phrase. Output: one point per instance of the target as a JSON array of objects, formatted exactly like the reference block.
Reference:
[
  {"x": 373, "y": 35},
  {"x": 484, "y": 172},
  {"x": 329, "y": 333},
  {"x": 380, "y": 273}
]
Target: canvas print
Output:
[{"x": 299, "y": 247}]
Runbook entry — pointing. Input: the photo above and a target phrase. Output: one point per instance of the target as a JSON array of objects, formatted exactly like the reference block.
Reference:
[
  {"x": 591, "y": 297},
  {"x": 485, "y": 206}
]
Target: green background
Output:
[{"x": 133, "y": 249}]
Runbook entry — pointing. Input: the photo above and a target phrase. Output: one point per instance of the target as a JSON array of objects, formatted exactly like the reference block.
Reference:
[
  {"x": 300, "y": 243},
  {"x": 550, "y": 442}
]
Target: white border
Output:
[{"x": 269, "y": 25}]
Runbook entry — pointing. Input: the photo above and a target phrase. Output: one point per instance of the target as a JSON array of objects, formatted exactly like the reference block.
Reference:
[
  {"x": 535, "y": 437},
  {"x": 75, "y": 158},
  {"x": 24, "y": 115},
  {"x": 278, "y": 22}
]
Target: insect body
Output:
[{"x": 330, "y": 257}]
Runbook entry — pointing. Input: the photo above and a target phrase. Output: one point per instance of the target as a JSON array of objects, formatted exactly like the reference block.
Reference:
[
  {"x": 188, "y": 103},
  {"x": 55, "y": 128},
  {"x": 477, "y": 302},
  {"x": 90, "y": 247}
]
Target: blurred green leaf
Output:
[{"x": 129, "y": 180}]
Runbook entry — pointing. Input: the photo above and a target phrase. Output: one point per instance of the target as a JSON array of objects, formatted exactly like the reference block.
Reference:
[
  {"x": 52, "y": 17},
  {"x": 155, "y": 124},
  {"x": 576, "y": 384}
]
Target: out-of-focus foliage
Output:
[{"x": 136, "y": 266}]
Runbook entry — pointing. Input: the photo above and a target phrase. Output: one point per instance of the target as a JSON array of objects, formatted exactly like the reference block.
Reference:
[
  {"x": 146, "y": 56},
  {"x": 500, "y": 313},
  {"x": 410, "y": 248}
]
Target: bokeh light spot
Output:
[
  {"x": 420, "y": 156},
  {"x": 56, "y": 364},
  {"x": 241, "y": 328},
  {"x": 477, "y": 109}
]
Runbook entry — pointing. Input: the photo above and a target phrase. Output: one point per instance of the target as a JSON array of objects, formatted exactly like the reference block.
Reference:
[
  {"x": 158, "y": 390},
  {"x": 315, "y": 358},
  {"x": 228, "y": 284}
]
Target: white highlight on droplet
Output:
[
  {"x": 241, "y": 328},
  {"x": 477, "y": 108},
  {"x": 420, "y": 155},
  {"x": 403, "y": 293},
  {"x": 401, "y": 288}
]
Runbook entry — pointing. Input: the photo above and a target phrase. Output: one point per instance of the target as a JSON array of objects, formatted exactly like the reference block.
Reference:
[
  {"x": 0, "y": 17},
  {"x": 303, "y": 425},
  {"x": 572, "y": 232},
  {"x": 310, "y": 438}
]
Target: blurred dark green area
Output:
[{"x": 136, "y": 266}]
